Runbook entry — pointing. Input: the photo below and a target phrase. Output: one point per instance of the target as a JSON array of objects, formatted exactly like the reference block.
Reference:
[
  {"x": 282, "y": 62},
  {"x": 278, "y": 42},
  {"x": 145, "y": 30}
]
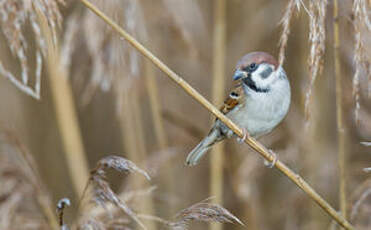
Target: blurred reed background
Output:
[{"x": 72, "y": 92}]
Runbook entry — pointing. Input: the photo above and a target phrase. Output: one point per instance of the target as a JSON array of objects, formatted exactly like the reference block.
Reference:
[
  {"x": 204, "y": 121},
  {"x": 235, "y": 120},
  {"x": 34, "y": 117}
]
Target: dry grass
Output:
[
  {"x": 15, "y": 15},
  {"x": 102, "y": 192},
  {"x": 362, "y": 58},
  {"x": 317, "y": 38},
  {"x": 285, "y": 21},
  {"x": 21, "y": 184},
  {"x": 109, "y": 217}
]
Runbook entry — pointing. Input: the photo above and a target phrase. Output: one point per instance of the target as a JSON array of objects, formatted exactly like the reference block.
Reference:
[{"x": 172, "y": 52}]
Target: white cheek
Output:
[{"x": 259, "y": 81}]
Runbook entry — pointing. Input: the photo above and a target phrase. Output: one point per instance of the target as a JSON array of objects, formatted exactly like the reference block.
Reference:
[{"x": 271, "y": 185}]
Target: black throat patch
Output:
[{"x": 251, "y": 84}]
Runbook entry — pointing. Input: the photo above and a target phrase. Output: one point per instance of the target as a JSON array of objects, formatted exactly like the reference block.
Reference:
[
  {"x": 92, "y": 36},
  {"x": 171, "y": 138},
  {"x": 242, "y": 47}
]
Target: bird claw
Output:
[
  {"x": 273, "y": 163},
  {"x": 245, "y": 134}
]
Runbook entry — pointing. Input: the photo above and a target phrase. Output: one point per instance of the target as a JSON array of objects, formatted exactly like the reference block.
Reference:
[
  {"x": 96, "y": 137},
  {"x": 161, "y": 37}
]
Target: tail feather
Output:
[{"x": 196, "y": 154}]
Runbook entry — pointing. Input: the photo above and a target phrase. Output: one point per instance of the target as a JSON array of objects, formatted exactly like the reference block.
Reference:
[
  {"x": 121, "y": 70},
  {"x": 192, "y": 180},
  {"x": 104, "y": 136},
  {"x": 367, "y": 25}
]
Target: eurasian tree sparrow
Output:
[{"x": 257, "y": 104}]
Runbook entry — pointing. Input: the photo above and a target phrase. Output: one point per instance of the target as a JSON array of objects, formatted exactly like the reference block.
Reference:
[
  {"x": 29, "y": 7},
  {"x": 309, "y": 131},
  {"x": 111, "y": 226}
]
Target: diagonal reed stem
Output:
[{"x": 257, "y": 146}]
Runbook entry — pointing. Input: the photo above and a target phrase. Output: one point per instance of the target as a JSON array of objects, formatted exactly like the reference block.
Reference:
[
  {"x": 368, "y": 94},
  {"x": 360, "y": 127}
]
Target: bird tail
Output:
[{"x": 195, "y": 155}]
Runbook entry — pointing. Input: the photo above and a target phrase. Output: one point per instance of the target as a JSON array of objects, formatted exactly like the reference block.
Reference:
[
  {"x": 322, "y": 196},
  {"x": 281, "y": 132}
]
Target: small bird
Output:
[{"x": 257, "y": 104}]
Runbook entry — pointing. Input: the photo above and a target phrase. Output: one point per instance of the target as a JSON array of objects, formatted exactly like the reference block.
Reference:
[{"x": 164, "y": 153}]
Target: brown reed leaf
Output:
[
  {"x": 317, "y": 38},
  {"x": 15, "y": 15},
  {"x": 204, "y": 212}
]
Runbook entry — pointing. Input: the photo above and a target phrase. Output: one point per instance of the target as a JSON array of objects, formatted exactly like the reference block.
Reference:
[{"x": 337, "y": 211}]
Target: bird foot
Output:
[
  {"x": 273, "y": 163},
  {"x": 245, "y": 134}
]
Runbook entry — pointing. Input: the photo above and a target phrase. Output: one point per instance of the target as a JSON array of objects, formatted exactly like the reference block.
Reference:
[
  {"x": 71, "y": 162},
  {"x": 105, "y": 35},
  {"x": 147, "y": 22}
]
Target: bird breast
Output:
[{"x": 262, "y": 112}]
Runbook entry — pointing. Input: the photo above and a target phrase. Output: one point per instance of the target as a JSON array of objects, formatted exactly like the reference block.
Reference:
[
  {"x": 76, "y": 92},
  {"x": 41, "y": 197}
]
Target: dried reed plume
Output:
[
  {"x": 204, "y": 212},
  {"x": 14, "y": 17},
  {"x": 285, "y": 22},
  {"x": 317, "y": 38},
  {"x": 21, "y": 184},
  {"x": 111, "y": 215},
  {"x": 362, "y": 59},
  {"x": 199, "y": 212},
  {"x": 113, "y": 203},
  {"x": 191, "y": 32},
  {"x": 102, "y": 192},
  {"x": 115, "y": 65}
]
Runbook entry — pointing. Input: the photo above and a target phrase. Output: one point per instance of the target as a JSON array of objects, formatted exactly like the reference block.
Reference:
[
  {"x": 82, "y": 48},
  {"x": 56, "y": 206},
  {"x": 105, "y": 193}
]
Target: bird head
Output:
[{"x": 257, "y": 70}]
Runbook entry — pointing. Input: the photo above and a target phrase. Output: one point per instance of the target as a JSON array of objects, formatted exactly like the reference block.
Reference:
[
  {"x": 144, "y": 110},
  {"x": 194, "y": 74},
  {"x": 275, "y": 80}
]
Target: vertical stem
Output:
[
  {"x": 66, "y": 114},
  {"x": 216, "y": 182},
  {"x": 155, "y": 105},
  {"x": 339, "y": 115},
  {"x": 158, "y": 124},
  {"x": 134, "y": 140}
]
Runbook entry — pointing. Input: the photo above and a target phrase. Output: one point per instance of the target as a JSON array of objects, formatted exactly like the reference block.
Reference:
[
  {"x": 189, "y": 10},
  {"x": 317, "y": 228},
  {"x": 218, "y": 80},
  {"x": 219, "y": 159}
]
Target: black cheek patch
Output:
[
  {"x": 266, "y": 73},
  {"x": 251, "y": 84}
]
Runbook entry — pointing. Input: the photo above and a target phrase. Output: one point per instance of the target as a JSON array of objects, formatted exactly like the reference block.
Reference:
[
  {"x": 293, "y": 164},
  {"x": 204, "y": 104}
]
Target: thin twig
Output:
[
  {"x": 339, "y": 115},
  {"x": 257, "y": 146},
  {"x": 155, "y": 105}
]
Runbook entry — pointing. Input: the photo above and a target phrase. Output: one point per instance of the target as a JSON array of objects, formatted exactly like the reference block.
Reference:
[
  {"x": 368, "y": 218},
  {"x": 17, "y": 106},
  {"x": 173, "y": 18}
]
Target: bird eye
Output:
[{"x": 252, "y": 67}]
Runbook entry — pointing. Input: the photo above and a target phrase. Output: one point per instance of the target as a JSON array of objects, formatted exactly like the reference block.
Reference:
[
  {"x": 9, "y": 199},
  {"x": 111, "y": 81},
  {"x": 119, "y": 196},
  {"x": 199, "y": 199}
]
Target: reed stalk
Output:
[
  {"x": 339, "y": 114},
  {"x": 216, "y": 162},
  {"x": 155, "y": 104},
  {"x": 158, "y": 122},
  {"x": 257, "y": 146},
  {"x": 134, "y": 144},
  {"x": 66, "y": 114}
]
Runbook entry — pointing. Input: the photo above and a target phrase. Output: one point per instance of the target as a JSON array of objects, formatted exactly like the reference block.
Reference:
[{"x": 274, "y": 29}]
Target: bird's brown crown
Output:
[{"x": 257, "y": 58}]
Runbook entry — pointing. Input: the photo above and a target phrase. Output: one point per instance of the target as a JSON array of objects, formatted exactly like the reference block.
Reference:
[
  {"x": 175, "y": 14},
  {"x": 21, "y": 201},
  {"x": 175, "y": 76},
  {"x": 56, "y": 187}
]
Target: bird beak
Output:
[{"x": 239, "y": 74}]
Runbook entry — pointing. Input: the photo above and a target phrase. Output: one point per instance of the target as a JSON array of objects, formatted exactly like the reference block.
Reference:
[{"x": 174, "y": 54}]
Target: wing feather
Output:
[{"x": 235, "y": 98}]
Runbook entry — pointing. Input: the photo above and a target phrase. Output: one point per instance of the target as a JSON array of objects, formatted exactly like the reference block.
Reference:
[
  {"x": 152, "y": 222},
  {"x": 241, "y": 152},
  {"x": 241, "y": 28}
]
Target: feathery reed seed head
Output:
[{"x": 14, "y": 16}]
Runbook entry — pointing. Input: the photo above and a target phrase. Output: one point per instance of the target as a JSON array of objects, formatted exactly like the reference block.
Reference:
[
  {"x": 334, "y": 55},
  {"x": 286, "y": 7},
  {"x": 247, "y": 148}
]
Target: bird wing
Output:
[{"x": 235, "y": 98}]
